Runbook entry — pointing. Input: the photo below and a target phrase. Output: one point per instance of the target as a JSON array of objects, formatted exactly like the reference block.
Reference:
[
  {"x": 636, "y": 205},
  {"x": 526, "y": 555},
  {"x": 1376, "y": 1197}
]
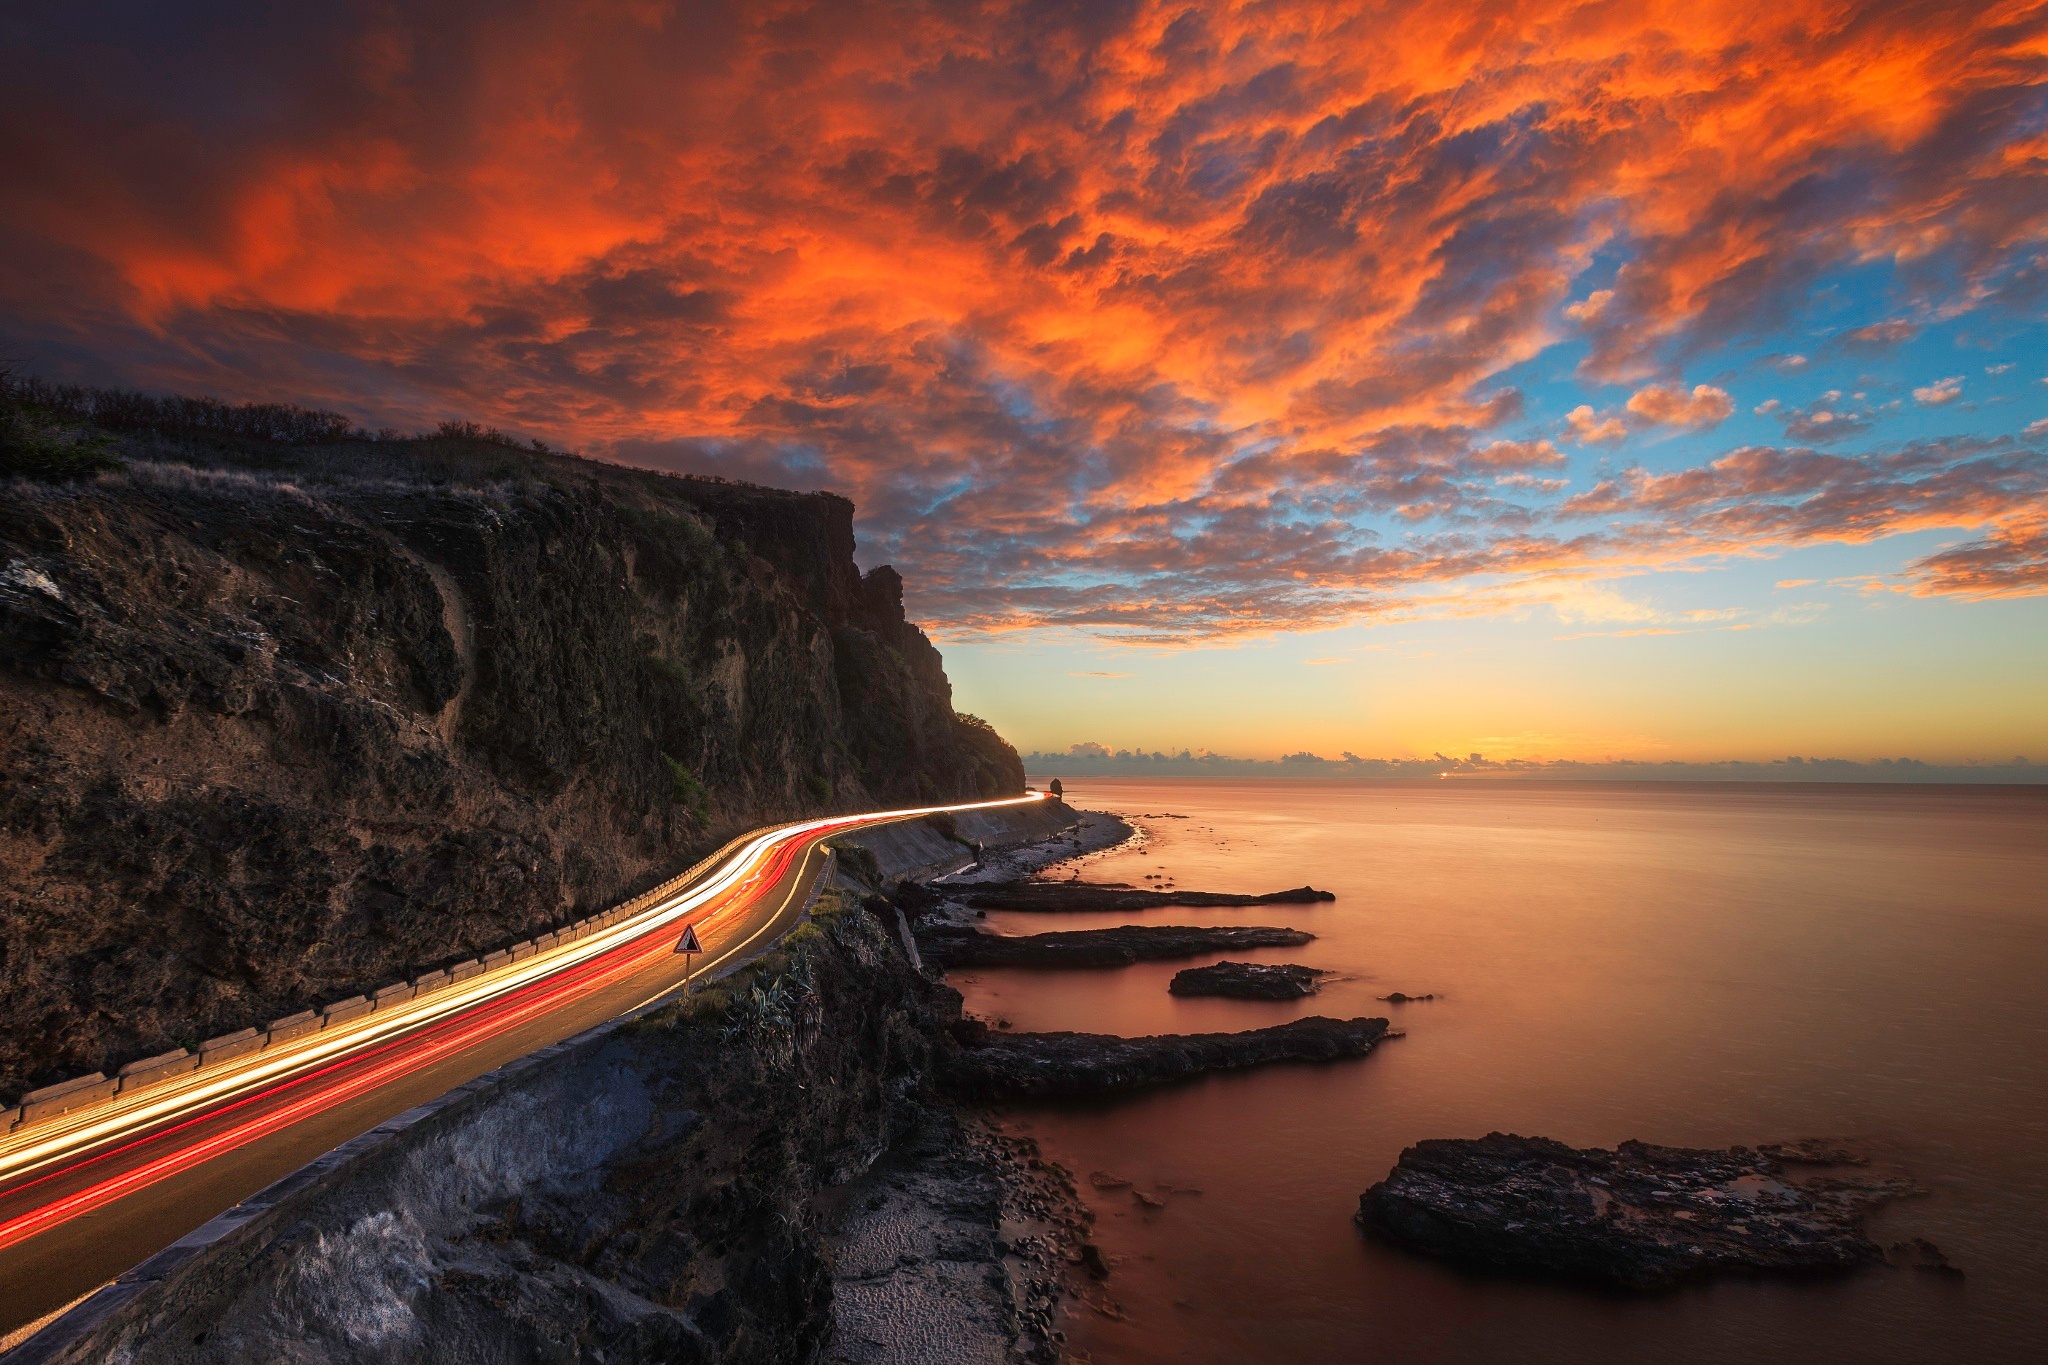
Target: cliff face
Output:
[{"x": 280, "y": 722}]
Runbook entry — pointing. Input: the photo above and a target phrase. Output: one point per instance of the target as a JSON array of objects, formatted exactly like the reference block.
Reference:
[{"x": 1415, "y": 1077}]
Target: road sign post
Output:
[{"x": 689, "y": 947}]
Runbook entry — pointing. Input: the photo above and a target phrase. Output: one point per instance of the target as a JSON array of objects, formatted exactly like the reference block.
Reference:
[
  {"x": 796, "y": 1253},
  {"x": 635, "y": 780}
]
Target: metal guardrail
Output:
[{"x": 91, "y": 1091}]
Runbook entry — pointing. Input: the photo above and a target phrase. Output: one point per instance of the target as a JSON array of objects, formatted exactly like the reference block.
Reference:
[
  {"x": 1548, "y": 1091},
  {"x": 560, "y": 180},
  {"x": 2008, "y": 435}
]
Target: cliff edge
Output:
[{"x": 283, "y": 718}]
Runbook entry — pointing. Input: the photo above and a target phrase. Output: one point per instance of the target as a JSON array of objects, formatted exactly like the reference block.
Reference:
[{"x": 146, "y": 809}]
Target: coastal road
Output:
[{"x": 86, "y": 1195}]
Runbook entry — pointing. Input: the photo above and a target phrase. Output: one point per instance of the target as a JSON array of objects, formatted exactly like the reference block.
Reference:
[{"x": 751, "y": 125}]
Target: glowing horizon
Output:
[{"x": 1541, "y": 379}]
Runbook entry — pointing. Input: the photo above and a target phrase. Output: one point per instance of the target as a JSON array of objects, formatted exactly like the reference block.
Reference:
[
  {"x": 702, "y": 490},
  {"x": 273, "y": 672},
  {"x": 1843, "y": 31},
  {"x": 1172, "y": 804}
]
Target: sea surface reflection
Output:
[{"x": 1694, "y": 965}]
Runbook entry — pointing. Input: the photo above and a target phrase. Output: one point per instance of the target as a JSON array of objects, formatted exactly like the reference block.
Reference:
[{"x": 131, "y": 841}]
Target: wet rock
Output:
[
  {"x": 1918, "y": 1253},
  {"x": 1398, "y": 998},
  {"x": 952, "y": 1248},
  {"x": 1636, "y": 1217},
  {"x": 1079, "y": 896},
  {"x": 1041, "y": 1065},
  {"x": 950, "y": 946},
  {"x": 1249, "y": 980},
  {"x": 915, "y": 899}
]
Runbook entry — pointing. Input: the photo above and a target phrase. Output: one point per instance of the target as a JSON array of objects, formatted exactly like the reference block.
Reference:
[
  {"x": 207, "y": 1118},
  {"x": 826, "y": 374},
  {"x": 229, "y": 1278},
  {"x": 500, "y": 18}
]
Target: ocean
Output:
[{"x": 1697, "y": 965}]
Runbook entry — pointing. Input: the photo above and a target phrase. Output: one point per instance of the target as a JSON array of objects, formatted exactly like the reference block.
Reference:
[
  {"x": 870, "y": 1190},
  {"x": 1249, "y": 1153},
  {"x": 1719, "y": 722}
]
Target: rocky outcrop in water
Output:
[
  {"x": 1636, "y": 1217},
  {"x": 1081, "y": 896},
  {"x": 1047, "y": 1065},
  {"x": 280, "y": 722},
  {"x": 1249, "y": 980},
  {"x": 949, "y": 946}
]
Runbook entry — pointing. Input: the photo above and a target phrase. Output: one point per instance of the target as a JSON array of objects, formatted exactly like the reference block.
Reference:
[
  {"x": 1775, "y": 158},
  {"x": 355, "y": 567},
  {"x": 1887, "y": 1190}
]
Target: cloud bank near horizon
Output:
[
  {"x": 1156, "y": 321},
  {"x": 1100, "y": 760}
]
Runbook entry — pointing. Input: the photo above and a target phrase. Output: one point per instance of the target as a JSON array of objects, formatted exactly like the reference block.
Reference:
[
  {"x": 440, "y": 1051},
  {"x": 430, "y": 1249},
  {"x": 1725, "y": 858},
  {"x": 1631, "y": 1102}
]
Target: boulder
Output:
[
  {"x": 1249, "y": 980},
  {"x": 1637, "y": 1217}
]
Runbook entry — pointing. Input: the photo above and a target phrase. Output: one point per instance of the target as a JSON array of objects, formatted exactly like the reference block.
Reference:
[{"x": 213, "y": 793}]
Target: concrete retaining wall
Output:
[{"x": 917, "y": 850}]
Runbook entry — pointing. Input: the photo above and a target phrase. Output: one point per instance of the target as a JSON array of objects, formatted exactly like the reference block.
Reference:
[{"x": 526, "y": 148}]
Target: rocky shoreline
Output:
[
  {"x": 949, "y": 946},
  {"x": 957, "y": 1245},
  {"x": 1078, "y": 897}
]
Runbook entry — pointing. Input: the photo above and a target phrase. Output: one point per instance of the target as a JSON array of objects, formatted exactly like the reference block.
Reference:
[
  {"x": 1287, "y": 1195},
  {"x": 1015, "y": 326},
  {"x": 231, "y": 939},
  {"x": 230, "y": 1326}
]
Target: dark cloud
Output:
[
  {"x": 1878, "y": 336},
  {"x": 2010, "y": 562}
]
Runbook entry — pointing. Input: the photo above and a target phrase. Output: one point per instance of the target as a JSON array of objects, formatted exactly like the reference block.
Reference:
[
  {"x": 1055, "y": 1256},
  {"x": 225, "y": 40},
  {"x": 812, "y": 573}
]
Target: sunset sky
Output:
[{"x": 1565, "y": 380}]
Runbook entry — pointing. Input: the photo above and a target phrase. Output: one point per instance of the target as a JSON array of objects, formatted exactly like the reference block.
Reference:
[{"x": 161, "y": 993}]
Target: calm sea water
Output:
[{"x": 1695, "y": 965}]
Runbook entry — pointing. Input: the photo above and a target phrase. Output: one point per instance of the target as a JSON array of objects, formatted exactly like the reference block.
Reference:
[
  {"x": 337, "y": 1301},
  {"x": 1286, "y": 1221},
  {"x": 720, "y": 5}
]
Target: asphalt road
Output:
[{"x": 87, "y": 1195}]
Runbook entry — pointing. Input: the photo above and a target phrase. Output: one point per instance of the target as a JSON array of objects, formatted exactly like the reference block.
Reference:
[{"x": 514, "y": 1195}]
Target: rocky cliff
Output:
[{"x": 280, "y": 720}]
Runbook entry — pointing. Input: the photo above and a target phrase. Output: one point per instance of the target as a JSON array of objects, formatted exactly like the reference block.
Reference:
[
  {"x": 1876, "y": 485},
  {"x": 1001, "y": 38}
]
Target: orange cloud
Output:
[
  {"x": 1592, "y": 428},
  {"x": 1156, "y": 318},
  {"x": 1705, "y": 407}
]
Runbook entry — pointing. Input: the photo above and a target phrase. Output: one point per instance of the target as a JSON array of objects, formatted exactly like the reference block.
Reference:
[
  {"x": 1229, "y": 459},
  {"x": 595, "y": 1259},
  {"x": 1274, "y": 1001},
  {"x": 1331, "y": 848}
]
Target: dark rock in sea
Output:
[
  {"x": 1043, "y": 1065},
  {"x": 1637, "y": 1217},
  {"x": 1397, "y": 998},
  {"x": 1249, "y": 980},
  {"x": 1120, "y": 947},
  {"x": 1918, "y": 1253},
  {"x": 1079, "y": 896}
]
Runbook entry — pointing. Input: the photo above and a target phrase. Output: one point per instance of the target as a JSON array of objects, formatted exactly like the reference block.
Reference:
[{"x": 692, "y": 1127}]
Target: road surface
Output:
[{"x": 86, "y": 1195}]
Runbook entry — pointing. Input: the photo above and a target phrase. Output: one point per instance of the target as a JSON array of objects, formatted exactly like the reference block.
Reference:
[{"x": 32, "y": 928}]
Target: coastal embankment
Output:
[{"x": 706, "y": 1180}]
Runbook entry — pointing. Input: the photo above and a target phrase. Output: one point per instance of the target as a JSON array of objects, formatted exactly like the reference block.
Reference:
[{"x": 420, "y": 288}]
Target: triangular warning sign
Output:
[{"x": 688, "y": 942}]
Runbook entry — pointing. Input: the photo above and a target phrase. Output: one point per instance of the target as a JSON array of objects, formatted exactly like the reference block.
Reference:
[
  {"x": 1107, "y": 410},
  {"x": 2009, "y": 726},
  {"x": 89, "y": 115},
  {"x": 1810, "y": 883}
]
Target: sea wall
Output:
[{"x": 918, "y": 850}]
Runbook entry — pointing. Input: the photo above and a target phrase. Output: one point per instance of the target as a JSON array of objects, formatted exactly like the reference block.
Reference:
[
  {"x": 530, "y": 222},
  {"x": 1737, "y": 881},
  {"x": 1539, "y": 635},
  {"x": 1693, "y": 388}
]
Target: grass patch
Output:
[{"x": 833, "y": 902}]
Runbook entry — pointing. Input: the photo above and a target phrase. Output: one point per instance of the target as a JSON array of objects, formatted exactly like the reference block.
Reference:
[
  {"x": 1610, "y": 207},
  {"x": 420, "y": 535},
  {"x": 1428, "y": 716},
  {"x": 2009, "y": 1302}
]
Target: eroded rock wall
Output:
[{"x": 280, "y": 723}]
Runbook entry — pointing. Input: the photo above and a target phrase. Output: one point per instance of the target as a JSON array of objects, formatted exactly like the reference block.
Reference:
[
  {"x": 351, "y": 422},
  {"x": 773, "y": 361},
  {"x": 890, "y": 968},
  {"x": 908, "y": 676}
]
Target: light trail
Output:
[{"x": 271, "y": 1091}]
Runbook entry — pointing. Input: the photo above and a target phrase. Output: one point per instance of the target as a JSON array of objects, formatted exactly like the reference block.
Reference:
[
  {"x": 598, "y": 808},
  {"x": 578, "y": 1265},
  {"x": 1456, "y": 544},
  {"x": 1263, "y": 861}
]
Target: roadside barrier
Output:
[{"x": 82, "y": 1092}]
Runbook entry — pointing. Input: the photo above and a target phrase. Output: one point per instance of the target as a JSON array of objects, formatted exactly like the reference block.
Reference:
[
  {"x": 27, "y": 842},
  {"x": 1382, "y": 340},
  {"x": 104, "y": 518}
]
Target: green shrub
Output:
[
  {"x": 820, "y": 787},
  {"x": 689, "y": 792},
  {"x": 673, "y": 674},
  {"x": 36, "y": 444}
]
